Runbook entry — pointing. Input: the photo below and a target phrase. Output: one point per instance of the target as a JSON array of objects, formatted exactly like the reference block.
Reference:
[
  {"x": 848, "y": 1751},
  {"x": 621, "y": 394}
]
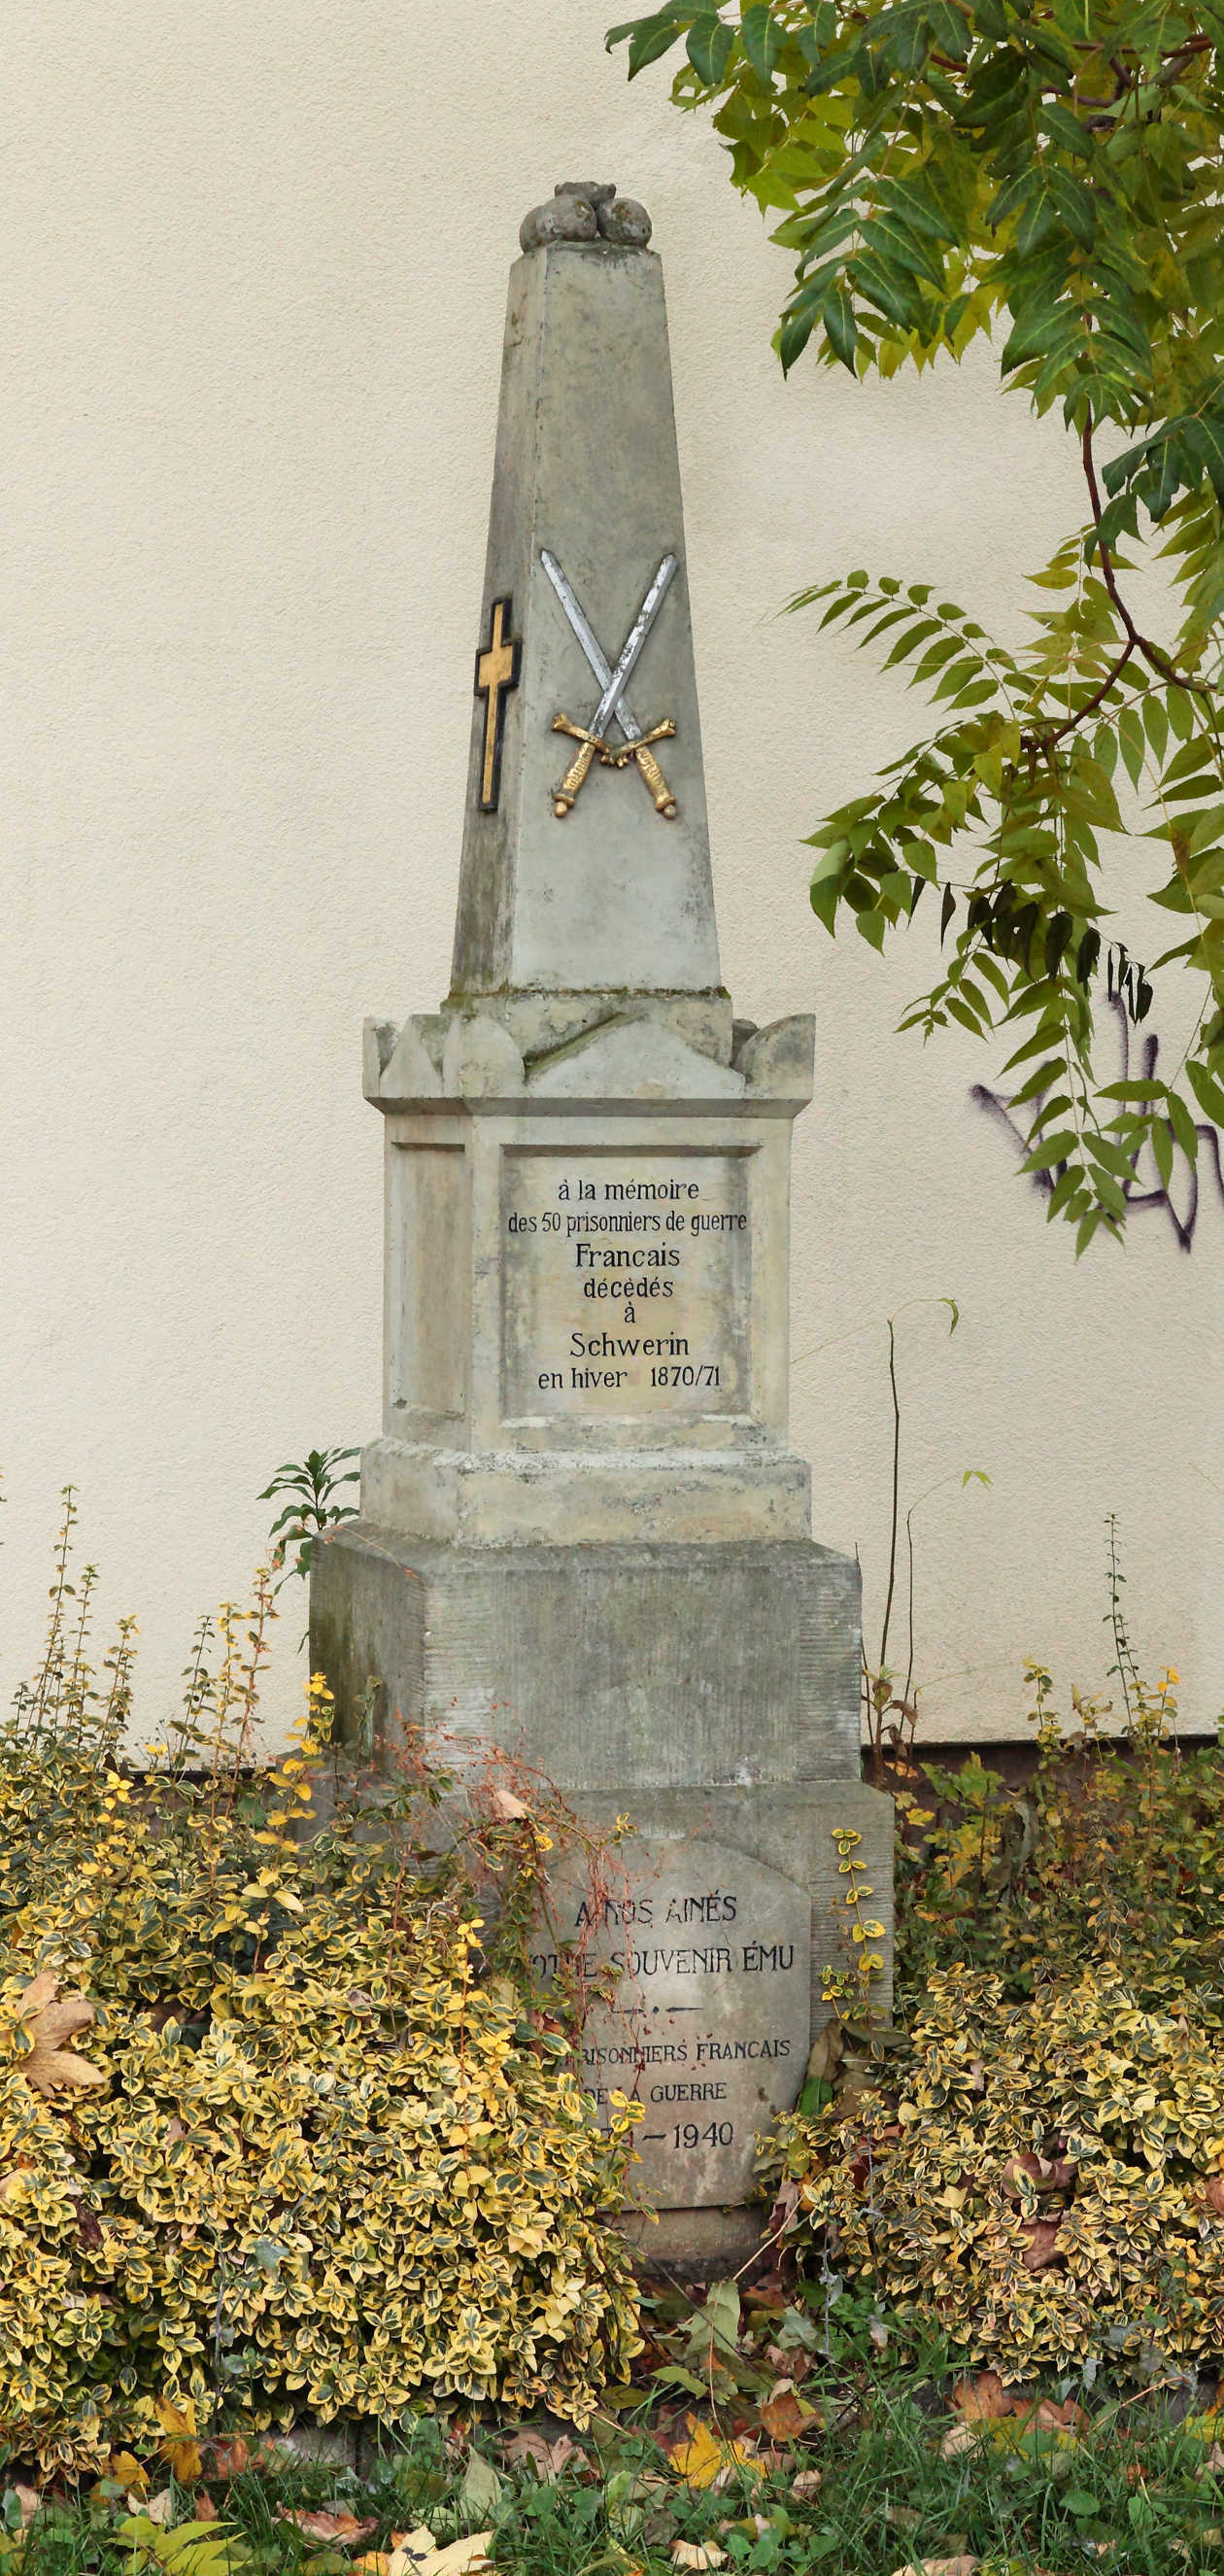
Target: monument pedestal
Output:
[
  {"x": 583, "y": 1536},
  {"x": 711, "y": 1691},
  {"x": 615, "y": 1668}
]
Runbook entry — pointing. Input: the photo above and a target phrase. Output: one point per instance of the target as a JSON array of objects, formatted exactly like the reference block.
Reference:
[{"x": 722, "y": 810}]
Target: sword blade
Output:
[
  {"x": 633, "y": 643},
  {"x": 612, "y": 683},
  {"x": 578, "y": 618}
]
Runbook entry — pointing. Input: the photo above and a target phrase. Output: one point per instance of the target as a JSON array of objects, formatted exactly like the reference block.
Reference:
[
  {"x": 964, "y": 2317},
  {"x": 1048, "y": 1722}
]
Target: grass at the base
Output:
[{"x": 1132, "y": 2495}]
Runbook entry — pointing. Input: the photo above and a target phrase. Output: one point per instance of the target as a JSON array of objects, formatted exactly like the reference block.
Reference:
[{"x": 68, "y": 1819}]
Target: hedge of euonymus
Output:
[{"x": 274, "y": 2132}]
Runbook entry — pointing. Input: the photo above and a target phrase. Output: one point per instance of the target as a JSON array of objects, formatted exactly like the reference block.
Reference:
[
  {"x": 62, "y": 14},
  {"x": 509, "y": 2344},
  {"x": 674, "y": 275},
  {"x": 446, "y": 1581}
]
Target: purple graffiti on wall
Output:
[{"x": 1187, "y": 1177}]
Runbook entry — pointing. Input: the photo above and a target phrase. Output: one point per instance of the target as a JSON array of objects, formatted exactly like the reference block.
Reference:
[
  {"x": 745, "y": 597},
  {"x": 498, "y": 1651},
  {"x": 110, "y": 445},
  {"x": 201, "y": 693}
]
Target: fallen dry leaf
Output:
[
  {"x": 1213, "y": 2194},
  {"x": 824, "y": 2055},
  {"x": 978, "y": 2400},
  {"x": 785, "y": 2416},
  {"x": 127, "y": 2471},
  {"x": 229, "y": 2458},
  {"x": 807, "y": 2485},
  {"x": 939, "y": 2567},
  {"x": 374, "y": 2562},
  {"x": 180, "y": 2449},
  {"x": 417, "y": 2555},
  {"x": 461, "y": 2558},
  {"x": 158, "y": 2508},
  {"x": 509, "y": 1806},
  {"x": 703, "y": 2461},
  {"x": 548, "y": 2457},
  {"x": 961, "y": 2436},
  {"x": 50, "y": 2021},
  {"x": 28, "y": 2499},
  {"x": 408, "y": 2548},
  {"x": 340, "y": 2530},
  {"x": 1042, "y": 2246},
  {"x": 784, "y": 2206},
  {"x": 205, "y": 2509},
  {"x": 483, "y": 2486},
  {"x": 1067, "y": 2418},
  {"x": 697, "y": 2553}
]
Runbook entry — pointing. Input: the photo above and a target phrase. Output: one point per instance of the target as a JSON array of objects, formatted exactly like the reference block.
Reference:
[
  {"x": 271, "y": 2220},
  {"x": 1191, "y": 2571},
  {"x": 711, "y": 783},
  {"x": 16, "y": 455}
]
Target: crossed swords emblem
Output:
[{"x": 612, "y": 708}]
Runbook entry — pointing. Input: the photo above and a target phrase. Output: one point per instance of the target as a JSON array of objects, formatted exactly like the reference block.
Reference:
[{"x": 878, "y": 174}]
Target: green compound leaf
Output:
[
  {"x": 763, "y": 38},
  {"x": 708, "y": 46}
]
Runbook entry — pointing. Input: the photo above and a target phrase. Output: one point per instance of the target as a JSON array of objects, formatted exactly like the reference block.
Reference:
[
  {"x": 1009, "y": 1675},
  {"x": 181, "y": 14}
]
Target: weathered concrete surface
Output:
[
  {"x": 790, "y": 1828},
  {"x": 612, "y": 898},
  {"x": 710, "y": 2022},
  {"x": 543, "y": 1497},
  {"x": 578, "y": 1285},
  {"x": 614, "y": 1668}
]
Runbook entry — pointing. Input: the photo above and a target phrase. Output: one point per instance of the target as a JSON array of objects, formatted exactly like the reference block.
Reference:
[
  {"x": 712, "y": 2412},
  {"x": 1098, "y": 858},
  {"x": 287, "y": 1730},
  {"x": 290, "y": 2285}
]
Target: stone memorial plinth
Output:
[{"x": 583, "y": 1535}]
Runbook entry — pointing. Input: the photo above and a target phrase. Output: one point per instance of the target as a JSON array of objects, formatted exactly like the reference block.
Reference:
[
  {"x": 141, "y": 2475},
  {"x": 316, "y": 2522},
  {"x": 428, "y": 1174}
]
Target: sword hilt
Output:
[
  {"x": 568, "y": 788},
  {"x": 661, "y": 795},
  {"x": 639, "y": 751},
  {"x": 627, "y": 750}
]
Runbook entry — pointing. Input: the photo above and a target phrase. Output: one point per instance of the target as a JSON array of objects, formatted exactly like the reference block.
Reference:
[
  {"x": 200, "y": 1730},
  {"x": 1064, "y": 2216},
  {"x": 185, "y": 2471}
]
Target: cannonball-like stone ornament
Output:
[
  {"x": 586, "y": 210},
  {"x": 566, "y": 218},
  {"x": 622, "y": 220}
]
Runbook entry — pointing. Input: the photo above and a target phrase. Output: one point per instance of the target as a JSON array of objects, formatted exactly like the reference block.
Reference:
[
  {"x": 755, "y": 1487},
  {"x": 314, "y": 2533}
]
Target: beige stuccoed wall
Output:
[{"x": 253, "y": 289}]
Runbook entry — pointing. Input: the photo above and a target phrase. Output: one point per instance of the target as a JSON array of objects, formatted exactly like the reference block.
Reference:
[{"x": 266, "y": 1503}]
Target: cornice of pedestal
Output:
[
  {"x": 501, "y": 1498},
  {"x": 625, "y": 1059}
]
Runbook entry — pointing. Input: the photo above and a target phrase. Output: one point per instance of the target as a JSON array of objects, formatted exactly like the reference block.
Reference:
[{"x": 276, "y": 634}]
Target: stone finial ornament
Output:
[
  {"x": 586, "y": 210},
  {"x": 623, "y": 220}
]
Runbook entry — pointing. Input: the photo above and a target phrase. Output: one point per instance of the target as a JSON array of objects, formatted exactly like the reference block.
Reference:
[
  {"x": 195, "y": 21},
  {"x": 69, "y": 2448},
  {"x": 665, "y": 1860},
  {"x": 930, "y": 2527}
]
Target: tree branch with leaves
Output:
[{"x": 1046, "y": 173}]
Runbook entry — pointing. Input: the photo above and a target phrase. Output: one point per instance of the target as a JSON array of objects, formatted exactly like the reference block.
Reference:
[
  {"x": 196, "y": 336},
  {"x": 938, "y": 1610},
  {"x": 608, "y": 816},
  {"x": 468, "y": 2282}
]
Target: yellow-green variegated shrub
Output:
[
  {"x": 360, "y": 2185},
  {"x": 1044, "y": 2180},
  {"x": 330, "y": 2162}
]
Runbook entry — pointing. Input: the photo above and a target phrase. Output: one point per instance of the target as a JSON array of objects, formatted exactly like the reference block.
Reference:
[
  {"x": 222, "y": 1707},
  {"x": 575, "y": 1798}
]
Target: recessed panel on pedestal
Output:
[
  {"x": 428, "y": 1305},
  {"x": 626, "y": 1283}
]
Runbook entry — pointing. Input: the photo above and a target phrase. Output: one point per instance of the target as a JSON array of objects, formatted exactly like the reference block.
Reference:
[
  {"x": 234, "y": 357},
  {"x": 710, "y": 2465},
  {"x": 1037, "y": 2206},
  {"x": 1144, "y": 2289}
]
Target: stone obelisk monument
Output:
[{"x": 583, "y": 1534}]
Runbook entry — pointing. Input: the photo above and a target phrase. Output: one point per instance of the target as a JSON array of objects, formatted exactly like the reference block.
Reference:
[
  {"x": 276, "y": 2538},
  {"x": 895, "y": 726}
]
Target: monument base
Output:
[
  {"x": 697, "y": 2244},
  {"x": 621, "y": 1668},
  {"x": 697, "y": 1709}
]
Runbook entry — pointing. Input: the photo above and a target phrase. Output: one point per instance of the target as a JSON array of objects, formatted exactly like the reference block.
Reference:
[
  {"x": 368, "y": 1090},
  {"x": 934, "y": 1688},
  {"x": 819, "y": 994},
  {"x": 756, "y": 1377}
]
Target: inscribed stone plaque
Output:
[
  {"x": 625, "y": 1283},
  {"x": 710, "y": 2024}
]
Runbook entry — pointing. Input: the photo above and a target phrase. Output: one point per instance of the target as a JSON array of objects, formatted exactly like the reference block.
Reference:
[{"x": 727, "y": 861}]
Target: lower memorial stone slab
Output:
[{"x": 708, "y": 2025}]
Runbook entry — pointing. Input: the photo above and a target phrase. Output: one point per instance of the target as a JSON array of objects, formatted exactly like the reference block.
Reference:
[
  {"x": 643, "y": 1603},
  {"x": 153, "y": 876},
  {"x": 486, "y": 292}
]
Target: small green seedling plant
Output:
[{"x": 312, "y": 1484}]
